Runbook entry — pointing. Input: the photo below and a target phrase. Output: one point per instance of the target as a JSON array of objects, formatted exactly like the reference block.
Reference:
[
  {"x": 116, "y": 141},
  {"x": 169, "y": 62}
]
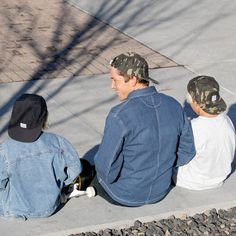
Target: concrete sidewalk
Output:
[
  {"x": 200, "y": 36},
  {"x": 78, "y": 106},
  {"x": 84, "y": 104}
]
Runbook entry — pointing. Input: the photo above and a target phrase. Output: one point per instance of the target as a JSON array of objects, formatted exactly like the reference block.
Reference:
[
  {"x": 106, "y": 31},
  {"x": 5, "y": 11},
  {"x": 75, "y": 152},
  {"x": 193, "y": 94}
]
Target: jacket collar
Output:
[{"x": 142, "y": 92}]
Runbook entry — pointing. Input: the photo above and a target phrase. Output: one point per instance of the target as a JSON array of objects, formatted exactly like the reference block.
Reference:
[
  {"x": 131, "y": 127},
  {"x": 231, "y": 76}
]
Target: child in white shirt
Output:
[{"x": 214, "y": 137}]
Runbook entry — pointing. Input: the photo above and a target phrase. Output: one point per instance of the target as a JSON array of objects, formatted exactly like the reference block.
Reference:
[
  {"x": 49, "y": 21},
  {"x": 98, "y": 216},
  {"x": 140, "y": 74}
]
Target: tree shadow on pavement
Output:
[{"x": 71, "y": 47}]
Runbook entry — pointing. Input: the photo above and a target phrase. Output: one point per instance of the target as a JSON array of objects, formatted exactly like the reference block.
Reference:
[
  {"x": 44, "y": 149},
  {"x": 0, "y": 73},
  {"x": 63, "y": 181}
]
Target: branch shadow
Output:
[
  {"x": 57, "y": 56},
  {"x": 158, "y": 13}
]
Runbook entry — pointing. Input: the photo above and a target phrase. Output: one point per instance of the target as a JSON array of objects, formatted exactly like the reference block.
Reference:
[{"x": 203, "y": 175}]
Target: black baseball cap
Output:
[{"x": 28, "y": 115}]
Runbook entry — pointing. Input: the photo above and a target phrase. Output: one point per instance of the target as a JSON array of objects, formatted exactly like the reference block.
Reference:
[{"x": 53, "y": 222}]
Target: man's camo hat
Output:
[
  {"x": 205, "y": 91},
  {"x": 132, "y": 64}
]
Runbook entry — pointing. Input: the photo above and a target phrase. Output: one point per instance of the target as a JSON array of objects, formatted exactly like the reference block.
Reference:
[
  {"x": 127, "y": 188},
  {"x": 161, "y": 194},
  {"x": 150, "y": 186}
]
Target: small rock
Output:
[
  {"x": 134, "y": 232},
  {"x": 137, "y": 224},
  {"x": 150, "y": 232},
  {"x": 213, "y": 213},
  {"x": 107, "y": 232},
  {"x": 198, "y": 217},
  {"x": 172, "y": 217},
  {"x": 167, "y": 233},
  {"x": 141, "y": 234},
  {"x": 184, "y": 217},
  {"x": 192, "y": 225},
  {"x": 222, "y": 226},
  {"x": 206, "y": 233},
  {"x": 227, "y": 232},
  {"x": 207, "y": 212}
]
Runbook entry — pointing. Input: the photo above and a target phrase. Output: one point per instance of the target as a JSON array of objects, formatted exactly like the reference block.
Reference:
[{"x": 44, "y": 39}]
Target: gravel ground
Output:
[{"x": 212, "y": 223}]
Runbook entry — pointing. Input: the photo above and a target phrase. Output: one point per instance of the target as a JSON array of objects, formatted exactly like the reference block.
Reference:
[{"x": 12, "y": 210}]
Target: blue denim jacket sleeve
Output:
[
  {"x": 186, "y": 149},
  {"x": 109, "y": 159},
  {"x": 72, "y": 161},
  {"x": 3, "y": 172}
]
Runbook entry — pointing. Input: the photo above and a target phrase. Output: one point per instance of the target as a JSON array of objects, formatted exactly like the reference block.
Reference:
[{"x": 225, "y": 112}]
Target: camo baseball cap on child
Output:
[
  {"x": 205, "y": 91},
  {"x": 132, "y": 64}
]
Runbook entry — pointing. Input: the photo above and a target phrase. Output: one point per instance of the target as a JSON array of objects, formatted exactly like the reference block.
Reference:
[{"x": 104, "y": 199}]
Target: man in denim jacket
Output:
[
  {"x": 145, "y": 137},
  {"x": 34, "y": 165}
]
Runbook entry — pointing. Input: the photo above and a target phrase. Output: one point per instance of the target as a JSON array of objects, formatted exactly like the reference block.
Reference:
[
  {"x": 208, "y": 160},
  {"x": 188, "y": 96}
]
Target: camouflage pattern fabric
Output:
[
  {"x": 132, "y": 64},
  {"x": 205, "y": 91}
]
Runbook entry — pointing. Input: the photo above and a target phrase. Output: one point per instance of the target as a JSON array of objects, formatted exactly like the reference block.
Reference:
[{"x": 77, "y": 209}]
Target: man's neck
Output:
[{"x": 140, "y": 86}]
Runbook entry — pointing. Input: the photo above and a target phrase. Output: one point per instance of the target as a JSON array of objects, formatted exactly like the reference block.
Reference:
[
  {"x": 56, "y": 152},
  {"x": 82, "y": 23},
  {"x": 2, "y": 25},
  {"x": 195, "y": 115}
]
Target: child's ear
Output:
[{"x": 196, "y": 107}]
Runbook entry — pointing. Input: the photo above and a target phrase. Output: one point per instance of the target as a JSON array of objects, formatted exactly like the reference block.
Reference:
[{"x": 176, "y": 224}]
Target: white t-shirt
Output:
[{"x": 214, "y": 140}]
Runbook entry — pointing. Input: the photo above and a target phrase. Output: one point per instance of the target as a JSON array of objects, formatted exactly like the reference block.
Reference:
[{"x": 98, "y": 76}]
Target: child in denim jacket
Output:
[{"x": 34, "y": 165}]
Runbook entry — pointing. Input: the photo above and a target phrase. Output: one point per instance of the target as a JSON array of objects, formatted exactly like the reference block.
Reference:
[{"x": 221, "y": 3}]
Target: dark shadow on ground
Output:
[
  {"x": 90, "y": 154},
  {"x": 233, "y": 166},
  {"x": 161, "y": 16},
  {"x": 232, "y": 114},
  {"x": 58, "y": 54}
]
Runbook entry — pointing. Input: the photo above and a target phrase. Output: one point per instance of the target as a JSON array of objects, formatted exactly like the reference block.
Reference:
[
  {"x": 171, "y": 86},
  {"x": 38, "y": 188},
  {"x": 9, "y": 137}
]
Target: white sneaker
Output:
[{"x": 90, "y": 192}]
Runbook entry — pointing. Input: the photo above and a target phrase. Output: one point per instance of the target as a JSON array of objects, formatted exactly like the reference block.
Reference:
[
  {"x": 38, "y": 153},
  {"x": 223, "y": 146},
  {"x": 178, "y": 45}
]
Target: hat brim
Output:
[
  {"x": 216, "y": 108},
  {"x": 151, "y": 79},
  {"x": 24, "y": 135}
]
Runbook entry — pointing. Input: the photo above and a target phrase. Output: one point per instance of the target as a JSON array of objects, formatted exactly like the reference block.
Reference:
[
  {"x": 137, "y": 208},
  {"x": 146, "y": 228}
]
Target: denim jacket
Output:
[
  {"x": 145, "y": 137},
  {"x": 33, "y": 174}
]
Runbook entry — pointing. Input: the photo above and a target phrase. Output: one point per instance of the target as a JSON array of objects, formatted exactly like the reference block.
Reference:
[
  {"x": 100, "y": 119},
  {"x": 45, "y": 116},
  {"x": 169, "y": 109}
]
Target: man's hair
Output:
[{"x": 128, "y": 77}]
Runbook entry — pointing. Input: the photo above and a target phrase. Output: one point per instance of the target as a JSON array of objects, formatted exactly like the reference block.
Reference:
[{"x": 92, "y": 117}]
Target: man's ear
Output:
[{"x": 133, "y": 81}]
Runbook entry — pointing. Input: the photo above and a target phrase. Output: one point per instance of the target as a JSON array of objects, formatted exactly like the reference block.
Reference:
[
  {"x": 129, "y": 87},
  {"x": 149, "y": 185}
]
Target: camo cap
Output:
[
  {"x": 132, "y": 64},
  {"x": 205, "y": 91}
]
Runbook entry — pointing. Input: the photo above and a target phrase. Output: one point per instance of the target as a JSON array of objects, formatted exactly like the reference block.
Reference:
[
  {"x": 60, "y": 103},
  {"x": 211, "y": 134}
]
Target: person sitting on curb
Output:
[
  {"x": 214, "y": 137},
  {"x": 144, "y": 138},
  {"x": 34, "y": 165}
]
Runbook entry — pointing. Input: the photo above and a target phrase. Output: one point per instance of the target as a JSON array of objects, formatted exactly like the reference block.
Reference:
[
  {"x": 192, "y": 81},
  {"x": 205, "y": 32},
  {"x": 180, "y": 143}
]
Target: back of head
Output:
[
  {"x": 28, "y": 116},
  {"x": 206, "y": 92},
  {"x": 132, "y": 64}
]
